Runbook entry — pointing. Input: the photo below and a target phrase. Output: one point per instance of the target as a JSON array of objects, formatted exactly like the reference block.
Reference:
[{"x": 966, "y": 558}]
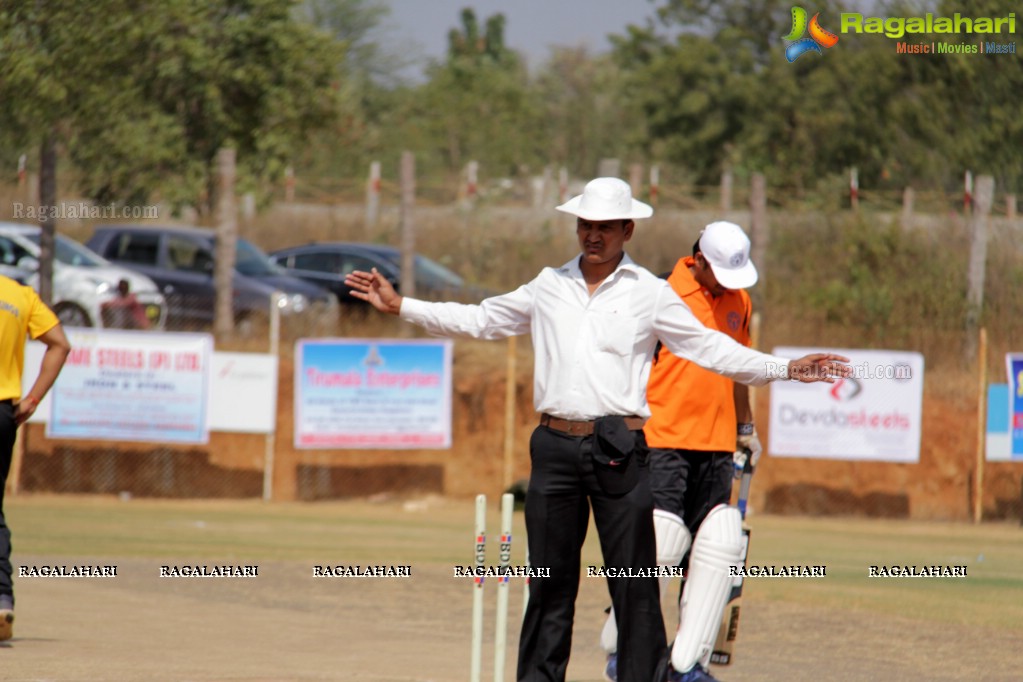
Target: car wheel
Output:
[{"x": 71, "y": 315}]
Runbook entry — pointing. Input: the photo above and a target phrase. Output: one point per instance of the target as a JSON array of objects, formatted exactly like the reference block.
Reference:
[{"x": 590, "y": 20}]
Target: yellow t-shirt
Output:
[
  {"x": 21, "y": 313},
  {"x": 692, "y": 408}
]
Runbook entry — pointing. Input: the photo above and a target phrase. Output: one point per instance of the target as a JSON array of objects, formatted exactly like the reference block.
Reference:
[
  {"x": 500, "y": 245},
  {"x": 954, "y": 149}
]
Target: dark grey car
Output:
[
  {"x": 327, "y": 263},
  {"x": 180, "y": 261}
]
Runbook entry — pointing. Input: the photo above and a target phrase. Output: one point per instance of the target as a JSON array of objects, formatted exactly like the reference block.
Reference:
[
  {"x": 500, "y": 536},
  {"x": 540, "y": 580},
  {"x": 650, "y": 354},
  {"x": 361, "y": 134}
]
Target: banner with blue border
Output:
[
  {"x": 373, "y": 393},
  {"x": 1014, "y": 362}
]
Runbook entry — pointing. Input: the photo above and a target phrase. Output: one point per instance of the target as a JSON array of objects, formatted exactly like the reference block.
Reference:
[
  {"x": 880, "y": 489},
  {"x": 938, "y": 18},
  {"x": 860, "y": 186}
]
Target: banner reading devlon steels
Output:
[
  {"x": 357, "y": 393},
  {"x": 874, "y": 415}
]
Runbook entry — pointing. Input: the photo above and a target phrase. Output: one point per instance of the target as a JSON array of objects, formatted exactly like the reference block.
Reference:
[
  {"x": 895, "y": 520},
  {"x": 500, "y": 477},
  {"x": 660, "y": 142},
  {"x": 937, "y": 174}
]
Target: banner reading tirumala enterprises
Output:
[
  {"x": 358, "y": 393},
  {"x": 872, "y": 415},
  {"x": 1014, "y": 363},
  {"x": 139, "y": 386}
]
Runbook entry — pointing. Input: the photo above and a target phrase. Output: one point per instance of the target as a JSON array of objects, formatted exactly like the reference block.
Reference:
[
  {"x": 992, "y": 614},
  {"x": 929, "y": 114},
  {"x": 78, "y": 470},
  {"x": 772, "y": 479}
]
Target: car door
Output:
[
  {"x": 322, "y": 268},
  {"x": 188, "y": 273},
  {"x": 145, "y": 251},
  {"x": 353, "y": 260}
]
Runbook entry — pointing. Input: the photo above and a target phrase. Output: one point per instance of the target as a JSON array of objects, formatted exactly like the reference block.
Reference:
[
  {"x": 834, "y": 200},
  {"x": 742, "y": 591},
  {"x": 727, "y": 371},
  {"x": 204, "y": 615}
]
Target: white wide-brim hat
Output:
[
  {"x": 606, "y": 199},
  {"x": 726, "y": 248}
]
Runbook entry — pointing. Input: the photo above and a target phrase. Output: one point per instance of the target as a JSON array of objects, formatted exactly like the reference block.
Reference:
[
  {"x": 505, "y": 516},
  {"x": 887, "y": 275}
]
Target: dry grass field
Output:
[{"x": 286, "y": 625}]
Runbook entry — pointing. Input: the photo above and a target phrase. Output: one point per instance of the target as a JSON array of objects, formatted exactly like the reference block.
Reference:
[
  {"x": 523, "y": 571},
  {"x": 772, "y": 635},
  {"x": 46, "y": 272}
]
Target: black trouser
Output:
[
  {"x": 562, "y": 486},
  {"x": 8, "y": 430}
]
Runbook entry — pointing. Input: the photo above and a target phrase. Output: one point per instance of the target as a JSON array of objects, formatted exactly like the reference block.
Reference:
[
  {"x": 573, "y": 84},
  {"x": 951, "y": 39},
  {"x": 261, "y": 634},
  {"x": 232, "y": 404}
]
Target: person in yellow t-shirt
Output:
[
  {"x": 700, "y": 426},
  {"x": 22, "y": 314}
]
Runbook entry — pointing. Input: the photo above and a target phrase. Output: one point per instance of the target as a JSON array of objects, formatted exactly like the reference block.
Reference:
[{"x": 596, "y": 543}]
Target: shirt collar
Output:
[
  {"x": 687, "y": 284},
  {"x": 571, "y": 268}
]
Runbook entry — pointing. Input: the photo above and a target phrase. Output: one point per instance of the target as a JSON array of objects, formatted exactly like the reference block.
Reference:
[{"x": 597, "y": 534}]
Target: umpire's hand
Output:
[
  {"x": 819, "y": 367},
  {"x": 374, "y": 288}
]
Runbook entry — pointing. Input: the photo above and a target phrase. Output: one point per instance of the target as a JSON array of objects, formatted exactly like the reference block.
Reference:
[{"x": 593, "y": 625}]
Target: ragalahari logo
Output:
[{"x": 819, "y": 37}]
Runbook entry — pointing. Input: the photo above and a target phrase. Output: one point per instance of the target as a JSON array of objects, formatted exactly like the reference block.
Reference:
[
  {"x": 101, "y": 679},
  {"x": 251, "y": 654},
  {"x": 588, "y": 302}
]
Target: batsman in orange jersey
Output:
[{"x": 700, "y": 430}]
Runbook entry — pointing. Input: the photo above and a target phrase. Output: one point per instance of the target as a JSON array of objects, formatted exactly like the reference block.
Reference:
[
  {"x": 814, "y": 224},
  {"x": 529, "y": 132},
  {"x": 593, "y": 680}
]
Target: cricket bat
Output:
[{"x": 729, "y": 628}]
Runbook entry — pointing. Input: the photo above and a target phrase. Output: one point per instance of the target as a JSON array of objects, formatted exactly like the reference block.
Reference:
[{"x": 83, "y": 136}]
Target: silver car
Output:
[{"x": 84, "y": 284}]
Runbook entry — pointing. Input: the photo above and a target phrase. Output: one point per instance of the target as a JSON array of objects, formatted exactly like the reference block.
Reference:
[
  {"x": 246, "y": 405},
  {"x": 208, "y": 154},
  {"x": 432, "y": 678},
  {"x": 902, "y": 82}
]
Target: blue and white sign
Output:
[
  {"x": 130, "y": 385},
  {"x": 1014, "y": 363},
  {"x": 997, "y": 444},
  {"x": 373, "y": 393}
]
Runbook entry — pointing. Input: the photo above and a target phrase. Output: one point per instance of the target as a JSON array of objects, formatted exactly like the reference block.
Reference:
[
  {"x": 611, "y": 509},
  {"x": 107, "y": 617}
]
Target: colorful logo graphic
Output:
[
  {"x": 846, "y": 389},
  {"x": 819, "y": 36}
]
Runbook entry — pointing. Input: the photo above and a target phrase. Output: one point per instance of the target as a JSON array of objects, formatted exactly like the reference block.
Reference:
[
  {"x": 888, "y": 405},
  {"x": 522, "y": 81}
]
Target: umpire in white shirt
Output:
[{"x": 595, "y": 322}]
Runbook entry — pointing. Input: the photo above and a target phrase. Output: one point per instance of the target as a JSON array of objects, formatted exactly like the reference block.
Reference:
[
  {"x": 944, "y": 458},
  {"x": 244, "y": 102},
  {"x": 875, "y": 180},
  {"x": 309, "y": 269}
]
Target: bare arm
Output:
[
  {"x": 743, "y": 412},
  {"x": 57, "y": 349}
]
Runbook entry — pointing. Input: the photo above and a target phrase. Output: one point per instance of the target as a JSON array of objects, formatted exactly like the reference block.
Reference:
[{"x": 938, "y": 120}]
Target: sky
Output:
[{"x": 531, "y": 26}]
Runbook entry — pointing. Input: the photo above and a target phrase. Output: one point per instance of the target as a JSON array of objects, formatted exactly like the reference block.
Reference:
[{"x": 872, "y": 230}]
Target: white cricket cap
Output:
[{"x": 726, "y": 248}]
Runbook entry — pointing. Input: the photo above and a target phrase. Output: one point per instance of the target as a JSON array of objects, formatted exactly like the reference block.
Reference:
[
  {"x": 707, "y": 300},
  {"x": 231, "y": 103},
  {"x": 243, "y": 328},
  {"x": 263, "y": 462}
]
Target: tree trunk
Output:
[
  {"x": 48, "y": 219},
  {"x": 226, "y": 246}
]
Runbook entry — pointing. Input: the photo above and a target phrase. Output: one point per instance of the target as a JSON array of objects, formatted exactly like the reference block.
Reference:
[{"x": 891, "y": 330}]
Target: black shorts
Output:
[{"x": 690, "y": 482}]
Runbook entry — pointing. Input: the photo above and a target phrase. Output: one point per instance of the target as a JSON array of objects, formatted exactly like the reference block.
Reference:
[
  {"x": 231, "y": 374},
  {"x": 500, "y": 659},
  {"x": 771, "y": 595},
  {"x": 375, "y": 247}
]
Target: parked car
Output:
[
  {"x": 180, "y": 261},
  {"x": 327, "y": 263},
  {"x": 19, "y": 275},
  {"x": 84, "y": 283}
]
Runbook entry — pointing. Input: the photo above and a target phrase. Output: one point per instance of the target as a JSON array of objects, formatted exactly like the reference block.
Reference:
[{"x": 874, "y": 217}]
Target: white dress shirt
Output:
[{"x": 593, "y": 353}]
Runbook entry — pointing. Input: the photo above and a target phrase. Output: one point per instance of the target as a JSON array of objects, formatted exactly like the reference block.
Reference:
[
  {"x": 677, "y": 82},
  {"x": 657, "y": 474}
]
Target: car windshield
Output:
[
  {"x": 70, "y": 252},
  {"x": 429, "y": 272},
  {"x": 435, "y": 273},
  {"x": 252, "y": 262}
]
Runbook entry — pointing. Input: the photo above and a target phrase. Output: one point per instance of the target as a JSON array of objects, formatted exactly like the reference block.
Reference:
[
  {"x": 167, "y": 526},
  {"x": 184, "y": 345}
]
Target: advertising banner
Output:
[
  {"x": 1014, "y": 364},
  {"x": 357, "y": 393},
  {"x": 873, "y": 415},
  {"x": 243, "y": 393},
  {"x": 132, "y": 385}
]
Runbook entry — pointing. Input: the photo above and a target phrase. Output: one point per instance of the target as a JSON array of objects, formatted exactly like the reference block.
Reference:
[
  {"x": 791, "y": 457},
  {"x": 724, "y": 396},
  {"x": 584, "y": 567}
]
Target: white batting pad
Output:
[
  {"x": 718, "y": 546},
  {"x": 673, "y": 538},
  {"x": 609, "y": 635}
]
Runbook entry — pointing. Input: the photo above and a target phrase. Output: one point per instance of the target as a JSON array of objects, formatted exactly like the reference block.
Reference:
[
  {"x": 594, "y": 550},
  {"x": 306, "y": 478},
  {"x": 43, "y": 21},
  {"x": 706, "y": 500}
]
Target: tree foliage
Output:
[
  {"x": 143, "y": 95},
  {"x": 720, "y": 92},
  {"x": 477, "y": 104}
]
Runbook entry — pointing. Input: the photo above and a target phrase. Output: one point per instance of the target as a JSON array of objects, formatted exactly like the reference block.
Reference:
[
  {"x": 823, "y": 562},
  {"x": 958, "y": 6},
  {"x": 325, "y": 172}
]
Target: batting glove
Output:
[{"x": 747, "y": 445}]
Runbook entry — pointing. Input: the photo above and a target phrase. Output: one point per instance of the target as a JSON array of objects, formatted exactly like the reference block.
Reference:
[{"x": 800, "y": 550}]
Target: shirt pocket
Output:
[{"x": 615, "y": 333}]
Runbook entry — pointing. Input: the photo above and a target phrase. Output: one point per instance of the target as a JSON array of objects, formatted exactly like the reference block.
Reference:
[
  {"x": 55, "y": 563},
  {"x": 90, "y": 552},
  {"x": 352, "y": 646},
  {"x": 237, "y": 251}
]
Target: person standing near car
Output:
[
  {"x": 124, "y": 311},
  {"x": 22, "y": 314},
  {"x": 595, "y": 322}
]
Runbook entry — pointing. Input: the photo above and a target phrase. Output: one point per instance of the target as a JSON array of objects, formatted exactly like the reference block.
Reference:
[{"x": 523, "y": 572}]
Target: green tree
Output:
[
  {"x": 477, "y": 105},
  {"x": 142, "y": 97},
  {"x": 586, "y": 115},
  {"x": 371, "y": 87},
  {"x": 720, "y": 92},
  {"x": 61, "y": 64}
]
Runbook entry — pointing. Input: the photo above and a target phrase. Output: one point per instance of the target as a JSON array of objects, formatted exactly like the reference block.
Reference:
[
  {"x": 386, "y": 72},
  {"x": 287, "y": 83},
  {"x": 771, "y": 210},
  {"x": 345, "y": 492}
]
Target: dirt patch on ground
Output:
[{"x": 287, "y": 625}]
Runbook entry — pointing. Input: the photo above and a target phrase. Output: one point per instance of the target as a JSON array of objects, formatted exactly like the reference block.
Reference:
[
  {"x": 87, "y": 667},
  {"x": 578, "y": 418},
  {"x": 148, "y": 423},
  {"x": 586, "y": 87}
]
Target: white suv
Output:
[{"x": 82, "y": 280}]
